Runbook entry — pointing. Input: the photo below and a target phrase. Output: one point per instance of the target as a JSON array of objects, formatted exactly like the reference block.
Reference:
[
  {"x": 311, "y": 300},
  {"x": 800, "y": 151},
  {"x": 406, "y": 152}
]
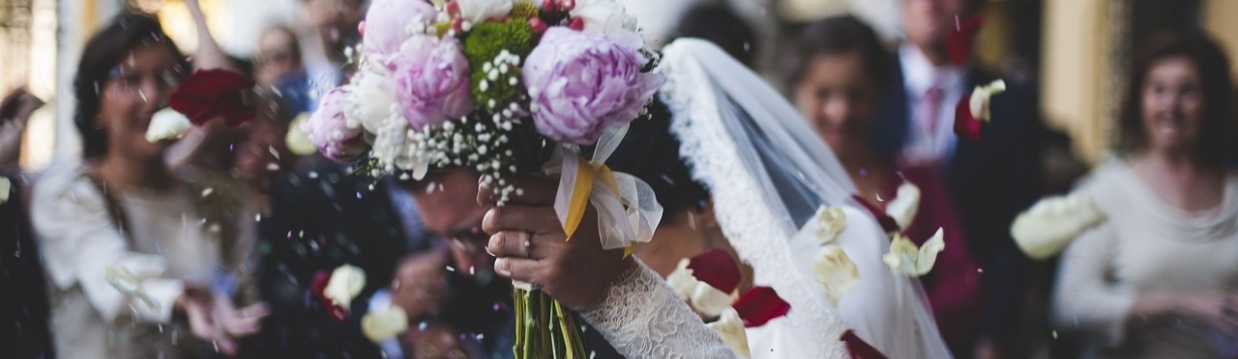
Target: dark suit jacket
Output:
[{"x": 990, "y": 183}]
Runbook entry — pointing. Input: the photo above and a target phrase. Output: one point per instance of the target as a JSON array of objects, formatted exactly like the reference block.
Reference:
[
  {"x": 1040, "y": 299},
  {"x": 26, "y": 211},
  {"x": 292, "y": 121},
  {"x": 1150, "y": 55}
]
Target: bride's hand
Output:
[{"x": 531, "y": 246}]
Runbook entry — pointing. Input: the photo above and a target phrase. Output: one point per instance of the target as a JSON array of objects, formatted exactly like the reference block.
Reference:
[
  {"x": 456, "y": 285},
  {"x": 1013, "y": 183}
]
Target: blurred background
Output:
[{"x": 1074, "y": 50}]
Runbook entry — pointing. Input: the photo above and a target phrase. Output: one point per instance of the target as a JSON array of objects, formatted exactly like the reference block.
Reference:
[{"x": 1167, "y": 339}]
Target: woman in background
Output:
[
  {"x": 837, "y": 79},
  {"x": 134, "y": 264},
  {"x": 1157, "y": 278}
]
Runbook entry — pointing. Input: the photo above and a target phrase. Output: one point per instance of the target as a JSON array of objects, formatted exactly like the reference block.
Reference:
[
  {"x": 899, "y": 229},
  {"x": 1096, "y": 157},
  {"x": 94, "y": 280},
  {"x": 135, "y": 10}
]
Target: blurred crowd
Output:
[{"x": 231, "y": 228}]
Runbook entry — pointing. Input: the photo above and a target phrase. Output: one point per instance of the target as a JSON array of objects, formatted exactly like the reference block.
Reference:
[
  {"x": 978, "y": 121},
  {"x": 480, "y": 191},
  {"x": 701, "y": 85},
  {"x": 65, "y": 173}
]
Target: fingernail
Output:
[{"x": 500, "y": 267}]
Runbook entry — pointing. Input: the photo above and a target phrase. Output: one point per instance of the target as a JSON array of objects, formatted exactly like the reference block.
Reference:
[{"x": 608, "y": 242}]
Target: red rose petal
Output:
[
  {"x": 858, "y": 348},
  {"x": 887, "y": 223},
  {"x": 759, "y": 305},
  {"x": 576, "y": 24},
  {"x": 717, "y": 268},
  {"x": 538, "y": 25},
  {"x": 959, "y": 42},
  {"x": 208, "y": 94},
  {"x": 966, "y": 125}
]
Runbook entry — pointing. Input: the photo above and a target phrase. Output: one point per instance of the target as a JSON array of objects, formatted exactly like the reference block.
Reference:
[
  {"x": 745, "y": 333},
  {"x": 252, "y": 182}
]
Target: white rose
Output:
[
  {"x": 904, "y": 205},
  {"x": 478, "y": 11},
  {"x": 1052, "y": 223},
  {"x": 906, "y": 259},
  {"x": 603, "y": 16},
  {"x": 372, "y": 99},
  {"x": 980, "y": 97},
  {"x": 731, "y": 328},
  {"x": 346, "y": 282},
  {"x": 836, "y": 272},
  {"x": 379, "y": 326},
  {"x": 167, "y": 124}
]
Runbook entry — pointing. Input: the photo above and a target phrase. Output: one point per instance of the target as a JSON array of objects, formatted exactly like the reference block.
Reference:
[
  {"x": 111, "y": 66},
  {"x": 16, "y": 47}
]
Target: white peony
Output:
[
  {"x": 346, "y": 282},
  {"x": 1051, "y": 224},
  {"x": 904, "y": 205},
  {"x": 603, "y": 16},
  {"x": 835, "y": 271},
  {"x": 478, "y": 11},
  {"x": 731, "y": 328},
  {"x": 372, "y": 98},
  {"x": 980, "y": 97},
  {"x": 167, "y": 124},
  {"x": 381, "y": 325},
  {"x": 906, "y": 259}
]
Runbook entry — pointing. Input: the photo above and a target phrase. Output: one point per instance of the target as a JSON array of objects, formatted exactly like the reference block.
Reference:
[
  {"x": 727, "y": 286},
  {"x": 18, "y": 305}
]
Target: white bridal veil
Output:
[{"x": 768, "y": 172}]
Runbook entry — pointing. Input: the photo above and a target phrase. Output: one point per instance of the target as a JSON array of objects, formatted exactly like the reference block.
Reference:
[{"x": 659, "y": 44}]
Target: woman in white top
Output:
[
  {"x": 131, "y": 257},
  {"x": 1157, "y": 278}
]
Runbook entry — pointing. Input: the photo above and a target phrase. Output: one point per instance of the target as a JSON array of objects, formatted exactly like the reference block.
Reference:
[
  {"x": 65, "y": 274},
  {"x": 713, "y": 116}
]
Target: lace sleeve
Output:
[{"x": 643, "y": 318}]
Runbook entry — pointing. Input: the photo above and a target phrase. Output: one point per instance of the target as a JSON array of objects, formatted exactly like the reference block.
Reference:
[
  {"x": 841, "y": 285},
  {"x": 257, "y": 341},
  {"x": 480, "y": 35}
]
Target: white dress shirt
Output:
[{"x": 925, "y": 142}]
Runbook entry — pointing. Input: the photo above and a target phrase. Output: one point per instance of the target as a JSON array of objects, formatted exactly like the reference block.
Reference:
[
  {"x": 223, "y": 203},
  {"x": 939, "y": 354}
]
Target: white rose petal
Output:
[
  {"x": 980, "y": 97},
  {"x": 904, "y": 205},
  {"x": 603, "y": 16},
  {"x": 346, "y": 282},
  {"x": 297, "y": 140},
  {"x": 906, "y": 259},
  {"x": 836, "y": 272},
  {"x": 831, "y": 221},
  {"x": 5, "y": 187},
  {"x": 167, "y": 124},
  {"x": 710, "y": 301},
  {"x": 478, "y": 11},
  {"x": 1052, "y": 223},
  {"x": 682, "y": 280},
  {"x": 379, "y": 326},
  {"x": 731, "y": 328}
]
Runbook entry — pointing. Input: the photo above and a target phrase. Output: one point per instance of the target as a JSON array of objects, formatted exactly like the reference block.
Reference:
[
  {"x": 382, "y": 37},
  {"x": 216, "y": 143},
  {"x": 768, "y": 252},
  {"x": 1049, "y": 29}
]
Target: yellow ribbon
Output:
[{"x": 585, "y": 173}]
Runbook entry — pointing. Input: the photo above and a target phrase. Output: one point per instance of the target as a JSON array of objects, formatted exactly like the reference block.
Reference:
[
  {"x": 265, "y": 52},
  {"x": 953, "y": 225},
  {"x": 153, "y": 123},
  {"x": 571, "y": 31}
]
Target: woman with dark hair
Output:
[
  {"x": 1157, "y": 278},
  {"x": 134, "y": 259},
  {"x": 837, "y": 77}
]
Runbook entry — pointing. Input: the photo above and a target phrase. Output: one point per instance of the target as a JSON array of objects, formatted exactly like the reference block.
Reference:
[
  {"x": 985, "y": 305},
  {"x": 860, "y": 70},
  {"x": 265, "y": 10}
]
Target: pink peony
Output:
[
  {"x": 386, "y": 26},
  {"x": 330, "y": 131},
  {"x": 581, "y": 83},
  {"x": 432, "y": 81}
]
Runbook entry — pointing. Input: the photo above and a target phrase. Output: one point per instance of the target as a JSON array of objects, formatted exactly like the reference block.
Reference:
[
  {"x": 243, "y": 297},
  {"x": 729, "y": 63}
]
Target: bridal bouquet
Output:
[{"x": 504, "y": 87}]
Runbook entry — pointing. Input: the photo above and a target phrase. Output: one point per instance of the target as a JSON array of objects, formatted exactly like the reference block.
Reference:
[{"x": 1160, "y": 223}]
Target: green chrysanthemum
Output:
[{"x": 483, "y": 45}]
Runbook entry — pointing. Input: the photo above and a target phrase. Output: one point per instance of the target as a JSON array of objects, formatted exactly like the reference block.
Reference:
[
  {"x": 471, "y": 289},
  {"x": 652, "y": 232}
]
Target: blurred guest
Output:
[
  {"x": 453, "y": 288},
  {"x": 718, "y": 24},
  {"x": 989, "y": 182},
  {"x": 280, "y": 66},
  {"x": 123, "y": 217},
  {"x": 23, "y": 307},
  {"x": 1158, "y": 279},
  {"x": 335, "y": 25},
  {"x": 838, "y": 75}
]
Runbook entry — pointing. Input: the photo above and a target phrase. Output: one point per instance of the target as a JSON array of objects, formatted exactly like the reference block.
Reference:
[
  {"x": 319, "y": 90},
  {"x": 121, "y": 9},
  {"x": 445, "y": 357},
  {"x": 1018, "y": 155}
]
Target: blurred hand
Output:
[
  {"x": 419, "y": 287},
  {"x": 435, "y": 341},
  {"x": 1218, "y": 309},
  {"x": 531, "y": 246},
  {"x": 214, "y": 319}
]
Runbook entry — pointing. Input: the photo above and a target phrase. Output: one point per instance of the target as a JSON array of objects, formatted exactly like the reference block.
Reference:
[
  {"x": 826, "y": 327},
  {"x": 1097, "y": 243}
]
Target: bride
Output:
[{"x": 751, "y": 173}]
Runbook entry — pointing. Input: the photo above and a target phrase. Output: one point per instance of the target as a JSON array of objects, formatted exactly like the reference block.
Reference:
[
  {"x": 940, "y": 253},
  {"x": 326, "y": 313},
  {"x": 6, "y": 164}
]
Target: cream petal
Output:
[
  {"x": 1045, "y": 229},
  {"x": 5, "y": 188},
  {"x": 831, "y": 221},
  {"x": 682, "y": 280},
  {"x": 710, "y": 301},
  {"x": 297, "y": 140},
  {"x": 981, "y": 96},
  {"x": 345, "y": 283},
  {"x": 167, "y": 124},
  {"x": 835, "y": 271},
  {"x": 905, "y": 204},
  {"x": 906, "y": 259},
  {"x": 731, "y": 328},
  {"x": 381, "y": 325}
]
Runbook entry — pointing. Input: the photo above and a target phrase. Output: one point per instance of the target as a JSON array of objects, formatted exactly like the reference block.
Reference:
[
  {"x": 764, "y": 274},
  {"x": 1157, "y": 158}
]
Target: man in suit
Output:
[{"x": 990, "y": 181}]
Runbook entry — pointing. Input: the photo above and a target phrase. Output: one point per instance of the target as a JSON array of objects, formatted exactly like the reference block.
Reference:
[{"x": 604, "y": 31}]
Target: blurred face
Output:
[
  {"x": 1172, "y": 104},
  {"x": 275, "y": 55},
  {"x": 264, "y": 147},
  {"x": 453, "y": 212},
  {"x": 838, "y": 99},
  {"x": 926, "y": 22},
  {"x": 135, "y": 90}
]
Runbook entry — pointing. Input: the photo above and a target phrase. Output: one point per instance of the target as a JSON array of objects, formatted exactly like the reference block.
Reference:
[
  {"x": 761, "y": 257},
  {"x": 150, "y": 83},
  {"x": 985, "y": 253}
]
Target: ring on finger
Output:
[{"x": 527, "y": 245}]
